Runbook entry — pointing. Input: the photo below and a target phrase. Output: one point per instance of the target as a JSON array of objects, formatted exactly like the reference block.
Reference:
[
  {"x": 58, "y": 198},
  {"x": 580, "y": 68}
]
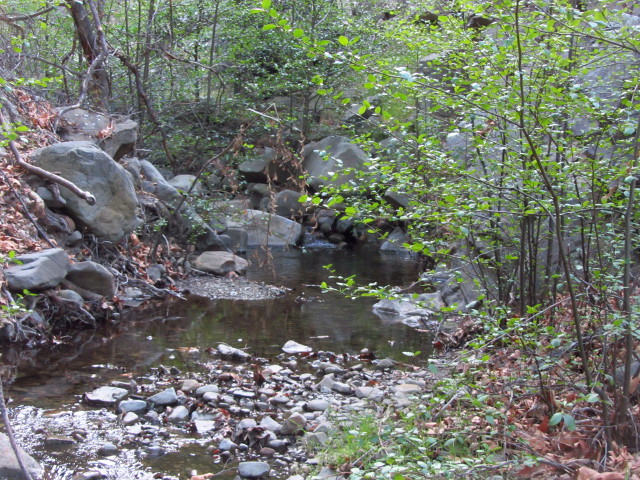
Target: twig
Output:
[{"x": 12, "y": 438}]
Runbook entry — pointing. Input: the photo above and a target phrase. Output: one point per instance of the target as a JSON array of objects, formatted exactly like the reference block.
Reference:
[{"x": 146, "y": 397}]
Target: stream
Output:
[{"x": 48, "y": 384}]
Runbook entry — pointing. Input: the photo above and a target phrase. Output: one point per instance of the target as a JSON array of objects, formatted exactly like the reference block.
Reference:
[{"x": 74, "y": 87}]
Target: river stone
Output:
[
  {"x": 326, "y": 384},
  {"x": 266, "y": 229},
  {"x": 9, "y": 467},
  {"x": 332, "y": 155},
  {"x": 315, "y": 439},
  {"x": 38, "y": 271},
  {"x": 395, "y": 241},
  {"x": 90, "y": 475},
  {"x": 317, "y": 405},
  {"x": 385, "y": 363},
  {"x": 343, "y": 388},
  {"x": 135, "y": 406},
  {"x": 130, "y": 418},
  {"x": 107, "y": 450},
  {"x": 204, "y": 426},
  {"x": 286, "y": 203},
  {"x": 86, "y": 125},
  {"x": 93, "y": 277},
  {"x": 105, "y": 396},
  {"x": 114, "y": 214},
  {"x": 245, "y": 424},
  {"x": 369, "y": 392},
  {"x": 200, "y": 391},
  {"x": 292, "y": 347},
  {"x": 253, "y": 469},
  {"x": 72, "y": 296},
  {"x": 190, "y": 385},
  {"x": 270, "y": 424},
  {"x": 184, "y": 182},
  {"x": 179, "y": 414},
  {"x": 220, "y": 263},
  {"x": 294, "y": 424},
  {"x": 407, "y": 389},
  {"x": 165, "y": 398},
  {"x": 232, "y": 353}
]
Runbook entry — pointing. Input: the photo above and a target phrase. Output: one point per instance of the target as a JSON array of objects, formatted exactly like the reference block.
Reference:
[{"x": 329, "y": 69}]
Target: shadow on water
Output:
[{"x": 176, "y": 332}]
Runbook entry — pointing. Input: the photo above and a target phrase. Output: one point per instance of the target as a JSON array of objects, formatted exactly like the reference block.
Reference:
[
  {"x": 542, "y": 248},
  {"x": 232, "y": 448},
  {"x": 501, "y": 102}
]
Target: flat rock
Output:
[
  {"x": 38, "y": 271},
  {"x": 369, "y": 392},
  {"x": 220, "y": 263},
  {"x": 407, "y": 389},
  {"x": 105, "y": 396},
  {"x": 295, "y": 423},
  {"x": 317, "y": 405},
  {"x": 135, "y": 406},
  {"x": 179, "y": 414},
  {"x": 253, "y": 469}
]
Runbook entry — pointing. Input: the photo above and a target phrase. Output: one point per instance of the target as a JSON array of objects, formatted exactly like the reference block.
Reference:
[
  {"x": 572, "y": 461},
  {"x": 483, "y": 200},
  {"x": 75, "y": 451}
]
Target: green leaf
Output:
[
  {"x": 266, "y": 4},
  {"x": 555, "y": 419},
  {"x": 362, "y": 109},
  {"x": 569, "y": 421},
  {"x": 298, "y": 32},
  {"x": 269, "y": 26},
  {"x": 303, "y": 198},
  {"x": 593, "y": 397},
  {"x": 343, "y": 40}
]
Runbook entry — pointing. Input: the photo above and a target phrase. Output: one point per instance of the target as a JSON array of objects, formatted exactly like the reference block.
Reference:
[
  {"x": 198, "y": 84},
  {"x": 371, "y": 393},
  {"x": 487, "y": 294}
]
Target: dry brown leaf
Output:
[{"x": 585, "y": 473}]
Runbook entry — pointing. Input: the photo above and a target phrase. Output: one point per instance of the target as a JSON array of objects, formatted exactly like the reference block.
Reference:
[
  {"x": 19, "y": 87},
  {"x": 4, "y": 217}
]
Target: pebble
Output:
[
  {"x": 135, "y": 406},
  {"x": 179, "y": 414},
  {"x": 318, "y": 405},
  {"x": 130, "y": 418},
  {"x": 167, "y": 397},
  {"x": 107, "y": 450}
]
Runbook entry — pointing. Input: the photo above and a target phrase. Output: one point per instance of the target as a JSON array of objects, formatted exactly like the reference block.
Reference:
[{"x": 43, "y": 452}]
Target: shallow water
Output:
[{"x": 176, "y": 333}]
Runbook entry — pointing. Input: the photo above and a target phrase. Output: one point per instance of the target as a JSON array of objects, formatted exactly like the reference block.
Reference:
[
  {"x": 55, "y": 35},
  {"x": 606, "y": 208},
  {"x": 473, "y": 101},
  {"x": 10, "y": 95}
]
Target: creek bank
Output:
[{"x": 251, "y": 416}]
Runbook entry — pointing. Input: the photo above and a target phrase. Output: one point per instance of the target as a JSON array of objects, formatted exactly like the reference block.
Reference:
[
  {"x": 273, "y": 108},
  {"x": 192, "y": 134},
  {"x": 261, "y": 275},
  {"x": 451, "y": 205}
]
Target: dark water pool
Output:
[{"x": 176, "y": 332}]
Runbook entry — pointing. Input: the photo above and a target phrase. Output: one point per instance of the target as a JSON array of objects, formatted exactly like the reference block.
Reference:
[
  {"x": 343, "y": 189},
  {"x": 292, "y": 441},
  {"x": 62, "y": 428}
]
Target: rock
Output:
[
  {"x": 326, "y": 384},
  {"x": 317, "y": 405},
  {"x": 190, "y": 385},
  {"x": 183, "y": 183},
  {"x": 56, "y": 441},
  {"x": 107, "y": 450},
  {"x": 105, "y": 396},
  {"x": 315, "y": 439},
  {"x": 294, "y": 424},
  {"x": 328, "y": 473},
  {"x": 71, "y": 296},
  {"x": 270, "y": 424},
  {"x": 200, "y": 391},
  {"x": 135, "y": 406},
  {"x": 165, "y": 398},
  {"x": 130, "y": 418},
  {"x": 38, "y": 271},
  {"x": 179, "y": 414},
  {"x": 332, "y": 155},
  {"x": 121, "y": 137},
  {"x": 89, "y": 475},
  {"x": 286, "y": 204},
  {"x": 93, "y": 277},
  {"x": 407, "y": 389},
  {"x": 397, "y": 199},
  {"x": 89, "y": 168},
  {"x": 394, "y": 242},
  {"x": 245, "y": 424},
  {"x": 9, "y": 467},
  {"x": 264, "y": 168},
  {"x": 267, "y": 452},
  {"x": 232, "y": 353},
  {"x": 292, "y": 347},
  {"x": 373, "y": 393},
  {"x": 266, "y": 229},
  {"x": 253, "y": 469},
  {"x": 204, "y": 426},
  {"x": 343, "y": 388},
  {"x": 385, "y": 363},
  {"x": 396, "y": 310},
  {"x": 227, "y": 445},
  {"x": 220, "y": 263},
  {"x": 155, "y": 272}
]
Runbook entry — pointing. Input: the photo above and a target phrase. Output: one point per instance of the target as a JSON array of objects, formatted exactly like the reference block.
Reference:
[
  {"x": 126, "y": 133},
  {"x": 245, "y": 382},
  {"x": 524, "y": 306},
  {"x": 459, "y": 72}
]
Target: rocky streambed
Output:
[{"x": 238, "y": 415}]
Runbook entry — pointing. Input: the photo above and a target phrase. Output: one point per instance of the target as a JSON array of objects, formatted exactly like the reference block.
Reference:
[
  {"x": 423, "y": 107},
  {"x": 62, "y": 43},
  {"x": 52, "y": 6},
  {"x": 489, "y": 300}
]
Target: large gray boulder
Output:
[
  {"x": 220, "y": 263},
  {"x": 9, "y": 466},
  {"x": 265, "y": 229},
  {"x": 83, "y": 163},
  {"x": 38, "y": 271},
  {"x": 93, "y": 277},
  {"x": 330, "y": 157},
  {"x": 116, "y": 136}
]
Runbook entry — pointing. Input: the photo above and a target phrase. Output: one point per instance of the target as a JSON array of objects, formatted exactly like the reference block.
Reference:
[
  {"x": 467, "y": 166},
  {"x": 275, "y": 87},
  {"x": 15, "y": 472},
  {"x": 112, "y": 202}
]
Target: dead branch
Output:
[{"x": 12, "y": 438}]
